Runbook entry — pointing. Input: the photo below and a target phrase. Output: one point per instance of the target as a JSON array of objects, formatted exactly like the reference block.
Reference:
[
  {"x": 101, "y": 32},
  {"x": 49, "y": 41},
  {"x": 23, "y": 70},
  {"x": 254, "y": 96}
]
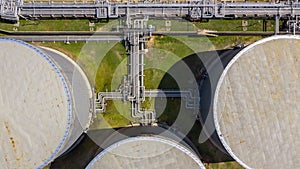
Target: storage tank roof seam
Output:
[{"x": 66, "y": 89}]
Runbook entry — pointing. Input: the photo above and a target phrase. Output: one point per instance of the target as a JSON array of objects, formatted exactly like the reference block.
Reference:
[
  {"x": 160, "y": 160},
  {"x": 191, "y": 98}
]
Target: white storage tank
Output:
[
  {"x": 256, "y": 104},
  {"x": 41, "y": 113},
  {"x": 155, "y": 147},
  {"x": 140, "y": 152}
]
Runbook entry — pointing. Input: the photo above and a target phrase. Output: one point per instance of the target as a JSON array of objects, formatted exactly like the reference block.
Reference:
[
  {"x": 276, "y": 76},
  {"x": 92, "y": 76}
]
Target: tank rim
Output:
[{"x": 222, "y": 77}]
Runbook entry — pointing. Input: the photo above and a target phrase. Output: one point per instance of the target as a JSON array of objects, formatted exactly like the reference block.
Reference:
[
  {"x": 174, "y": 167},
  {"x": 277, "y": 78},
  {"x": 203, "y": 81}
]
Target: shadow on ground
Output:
[
  {"x": 206, "y": 68},
  {"x": 202, "y": 67}
]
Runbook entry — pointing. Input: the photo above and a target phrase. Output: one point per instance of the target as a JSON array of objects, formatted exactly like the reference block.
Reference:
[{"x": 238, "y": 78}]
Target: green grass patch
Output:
[
  {"x": 6, "y": 26},
  {"x": 52, "y": 25},
  {"x": 235, "y": 25},
  {"x": 172, "y": 25},
  {"x": 117, "y": 115},
  {"x": 160, "y": 25},
  {"x": 224, "y": 42},
  {"x": 172, "y": 45},
  {"x": 148, "y": 103},
  {"x": 224, "y": 165},
  {"x": 72, "y": 50},
  {"x": 166, "y": 51},
  {"x": 107, "y": 71},
  {"x": 213, "y": 24}
]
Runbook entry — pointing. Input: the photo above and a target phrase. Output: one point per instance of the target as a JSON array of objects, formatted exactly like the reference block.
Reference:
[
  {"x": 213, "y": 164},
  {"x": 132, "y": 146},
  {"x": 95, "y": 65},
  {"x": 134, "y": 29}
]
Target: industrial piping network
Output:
[
  {"x": 132, "y": 88},
  {"x": 12, "y": 10}
]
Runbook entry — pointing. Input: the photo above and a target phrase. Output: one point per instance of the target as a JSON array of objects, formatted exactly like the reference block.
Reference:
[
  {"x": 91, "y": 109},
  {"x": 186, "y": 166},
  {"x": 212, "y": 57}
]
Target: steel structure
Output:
[
  {"x": 194, "y": 9},
  {"x": 9, "y": 9},
  {"x": 132, "y": 89}
]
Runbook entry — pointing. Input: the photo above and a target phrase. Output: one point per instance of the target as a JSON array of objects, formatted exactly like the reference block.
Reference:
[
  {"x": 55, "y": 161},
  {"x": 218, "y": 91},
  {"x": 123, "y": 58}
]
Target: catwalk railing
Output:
[{"x": 193, "y": 10}]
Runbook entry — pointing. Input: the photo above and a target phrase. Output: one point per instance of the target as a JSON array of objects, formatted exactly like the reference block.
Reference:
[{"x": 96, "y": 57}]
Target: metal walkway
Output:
[{"x": 193, "y": 9}]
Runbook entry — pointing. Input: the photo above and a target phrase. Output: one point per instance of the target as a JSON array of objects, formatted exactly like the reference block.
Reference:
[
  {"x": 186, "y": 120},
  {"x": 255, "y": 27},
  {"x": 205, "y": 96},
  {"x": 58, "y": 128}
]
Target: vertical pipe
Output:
[
  {"x": 142, "y": 71},
  {"x": 127, "y": 17},
  {"x": 264, "y": 25},
  {"x": 137, "y": 66},
  {"x": 142, "y": 64},
  {"x": 133, "y": 61},
  {"x": 276, "y": 24},
  {"x": 294, "y": 28}
]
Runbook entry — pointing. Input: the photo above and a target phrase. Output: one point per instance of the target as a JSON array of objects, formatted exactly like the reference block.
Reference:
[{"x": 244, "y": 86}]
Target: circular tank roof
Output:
[
  {"x": 256, "y": 106},
  {"x": 35, "y": 106},
  {"x": 146, "y": 152}
]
